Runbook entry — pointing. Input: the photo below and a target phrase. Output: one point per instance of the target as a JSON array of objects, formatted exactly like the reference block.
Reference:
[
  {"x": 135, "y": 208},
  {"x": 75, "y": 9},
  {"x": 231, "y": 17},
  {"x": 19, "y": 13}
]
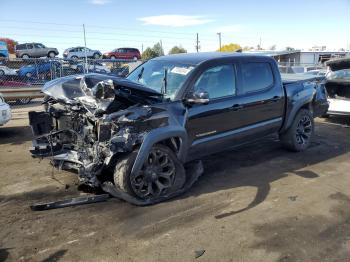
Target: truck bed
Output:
[{"x": 292, "y": 78}]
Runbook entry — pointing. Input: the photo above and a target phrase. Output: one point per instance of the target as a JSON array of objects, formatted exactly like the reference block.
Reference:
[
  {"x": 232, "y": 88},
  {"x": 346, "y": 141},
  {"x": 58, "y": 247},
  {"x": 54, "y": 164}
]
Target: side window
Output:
[
  {"x": 256, "y": 76},
  {"x": 218, "y": 81},
  {"x": 30, "y": 46}
]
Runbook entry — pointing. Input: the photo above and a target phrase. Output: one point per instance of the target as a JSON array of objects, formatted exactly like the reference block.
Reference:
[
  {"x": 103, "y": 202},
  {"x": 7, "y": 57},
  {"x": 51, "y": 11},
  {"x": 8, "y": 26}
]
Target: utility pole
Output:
[
  {"x": 197, "y": 44},
  {"x": 161, "y": 46},
  {"x": 260, "y": 44},
  {"x": 219, "y": 34},
  {"x": 86, "y": 65},
  {"x": 142, "y": 48}
]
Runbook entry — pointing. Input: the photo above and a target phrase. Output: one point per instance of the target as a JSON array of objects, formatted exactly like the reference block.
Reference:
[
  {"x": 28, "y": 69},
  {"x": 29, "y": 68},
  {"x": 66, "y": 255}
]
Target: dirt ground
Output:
[{"x": 257, "y": 203}]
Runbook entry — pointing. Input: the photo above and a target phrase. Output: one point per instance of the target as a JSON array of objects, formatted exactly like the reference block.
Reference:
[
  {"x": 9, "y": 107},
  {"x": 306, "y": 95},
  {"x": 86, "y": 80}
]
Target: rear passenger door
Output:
[
  {"x": 30, "y": 50},
  {"x": 261, "y": 99}
]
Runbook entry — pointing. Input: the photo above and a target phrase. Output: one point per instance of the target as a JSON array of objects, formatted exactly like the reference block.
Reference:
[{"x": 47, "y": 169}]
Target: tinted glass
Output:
[
  {"x": 218, "y": 81},
  {"x": 30, "y": 46},
  {"x": 19, "y": 47},
  {"x": 39, "y": 46},
  {"x": 256, "y": 76}
]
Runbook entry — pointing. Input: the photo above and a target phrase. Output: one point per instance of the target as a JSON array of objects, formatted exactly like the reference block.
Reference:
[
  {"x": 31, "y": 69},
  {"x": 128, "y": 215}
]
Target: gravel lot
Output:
[{"x": 257, "y": 203}]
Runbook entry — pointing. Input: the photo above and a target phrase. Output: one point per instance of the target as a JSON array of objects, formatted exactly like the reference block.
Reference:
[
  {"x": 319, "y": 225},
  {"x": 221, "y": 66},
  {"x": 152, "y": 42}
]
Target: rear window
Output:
[
  {"x": 256, "y": 76},
  {"x": 20, "y": 47}
]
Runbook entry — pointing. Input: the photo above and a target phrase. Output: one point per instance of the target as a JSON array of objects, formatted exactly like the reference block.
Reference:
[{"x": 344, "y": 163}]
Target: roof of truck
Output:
[{"x": 197, "y": 58}]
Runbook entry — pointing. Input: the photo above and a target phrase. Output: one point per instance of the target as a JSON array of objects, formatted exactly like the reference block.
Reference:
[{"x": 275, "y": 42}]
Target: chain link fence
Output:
[{"x": 22, "y": 79}]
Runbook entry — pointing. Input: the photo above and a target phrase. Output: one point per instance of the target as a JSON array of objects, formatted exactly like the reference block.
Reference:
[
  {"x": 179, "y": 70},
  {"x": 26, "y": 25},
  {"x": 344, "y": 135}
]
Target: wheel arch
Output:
[
  {"x": 306, "y": 103},
  {"x": 173, "y": 137}
]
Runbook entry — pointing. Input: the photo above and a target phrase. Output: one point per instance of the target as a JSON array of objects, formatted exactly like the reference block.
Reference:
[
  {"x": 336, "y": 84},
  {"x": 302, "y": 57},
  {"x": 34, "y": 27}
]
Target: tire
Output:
[
  {"x": 96, "y": 56},
  {"x": 2, "y": 72},
  {"x": 51, "y": 54},
  {"x": 299, "y": 135},
  {"x": 113, "y": 57},
  {"x": 25, "y": 56},
  {"x": 148, "y": 183},
  {"x": 135, "y": 58}
]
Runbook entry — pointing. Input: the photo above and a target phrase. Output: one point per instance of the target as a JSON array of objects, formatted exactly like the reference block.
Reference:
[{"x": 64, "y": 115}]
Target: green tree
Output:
[
  {"x": 158, "y": 49},
  {"x": 177, "y": 50},
  {"x": 149, "y": 53},
  {"x": 230, "y": 48}
]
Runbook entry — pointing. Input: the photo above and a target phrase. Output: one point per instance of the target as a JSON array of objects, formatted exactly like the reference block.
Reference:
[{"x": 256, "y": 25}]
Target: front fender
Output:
[{"x": 156, "y": 136}]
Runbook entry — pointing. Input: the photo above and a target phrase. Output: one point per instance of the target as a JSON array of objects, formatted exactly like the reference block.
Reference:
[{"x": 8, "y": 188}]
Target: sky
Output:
[{"x": 141, "y": 23}]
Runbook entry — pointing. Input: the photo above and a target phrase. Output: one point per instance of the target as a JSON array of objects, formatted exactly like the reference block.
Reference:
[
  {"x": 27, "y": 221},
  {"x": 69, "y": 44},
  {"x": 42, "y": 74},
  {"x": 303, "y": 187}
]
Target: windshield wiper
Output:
[
  {"x": 140, "y": 74},
  {"x": 164, "y": 88}
]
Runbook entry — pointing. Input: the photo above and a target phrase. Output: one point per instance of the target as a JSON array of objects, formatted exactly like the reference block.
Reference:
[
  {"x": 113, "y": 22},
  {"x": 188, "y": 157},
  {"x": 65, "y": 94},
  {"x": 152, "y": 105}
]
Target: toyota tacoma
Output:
[{"x": 138, "y": 134}]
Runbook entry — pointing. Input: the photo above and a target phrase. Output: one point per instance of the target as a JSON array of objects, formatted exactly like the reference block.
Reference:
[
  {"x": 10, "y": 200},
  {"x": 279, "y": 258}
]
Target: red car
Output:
[{"x": 123, "y": 53}]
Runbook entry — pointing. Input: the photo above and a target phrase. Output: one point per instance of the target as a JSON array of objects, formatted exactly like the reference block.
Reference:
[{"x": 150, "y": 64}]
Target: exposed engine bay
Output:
[{"x": 92, "y": 120}]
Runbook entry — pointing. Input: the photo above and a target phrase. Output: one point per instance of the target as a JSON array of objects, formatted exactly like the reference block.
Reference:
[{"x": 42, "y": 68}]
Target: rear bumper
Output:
[
  {"x": 339, "y": 107},
  {"x": 5, "y": 114}
]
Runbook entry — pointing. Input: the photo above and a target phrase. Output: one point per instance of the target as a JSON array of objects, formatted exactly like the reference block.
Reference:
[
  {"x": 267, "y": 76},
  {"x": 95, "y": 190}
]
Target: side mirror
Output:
[{"x": 198, "y": 97}]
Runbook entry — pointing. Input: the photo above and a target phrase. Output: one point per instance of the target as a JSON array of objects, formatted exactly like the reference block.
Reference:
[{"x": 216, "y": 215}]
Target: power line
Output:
[{"x": 96, "y": 26}]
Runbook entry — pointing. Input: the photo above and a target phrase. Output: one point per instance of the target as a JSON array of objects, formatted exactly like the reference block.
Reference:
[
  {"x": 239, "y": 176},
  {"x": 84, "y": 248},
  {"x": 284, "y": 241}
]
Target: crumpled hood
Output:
[
  {"x": 71, "y": 87},
  {"x": 339, "y": 64}
]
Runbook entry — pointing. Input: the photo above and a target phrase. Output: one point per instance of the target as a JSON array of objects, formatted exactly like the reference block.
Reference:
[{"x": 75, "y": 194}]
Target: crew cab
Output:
[{"x": 137, "y": 134}]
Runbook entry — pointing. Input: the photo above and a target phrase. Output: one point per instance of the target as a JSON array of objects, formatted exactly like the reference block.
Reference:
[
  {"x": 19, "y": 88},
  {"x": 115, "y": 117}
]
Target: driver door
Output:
[{"x": 209, "y": 125}]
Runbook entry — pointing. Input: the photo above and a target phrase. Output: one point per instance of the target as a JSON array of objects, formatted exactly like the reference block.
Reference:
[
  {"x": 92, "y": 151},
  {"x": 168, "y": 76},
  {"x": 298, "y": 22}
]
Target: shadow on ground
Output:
[
  {"x": 55, "y": 256},
  {"x": 256, "y": 165},
  {"x": 309, "y": 238},
  {"x": 15, "y": 135}
]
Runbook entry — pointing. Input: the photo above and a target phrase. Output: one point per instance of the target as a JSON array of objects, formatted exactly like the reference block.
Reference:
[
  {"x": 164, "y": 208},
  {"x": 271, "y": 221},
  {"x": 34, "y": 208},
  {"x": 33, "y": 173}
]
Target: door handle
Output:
[
  {"x": 236, "y": 107},
  {"x": 275, "y": 98}
]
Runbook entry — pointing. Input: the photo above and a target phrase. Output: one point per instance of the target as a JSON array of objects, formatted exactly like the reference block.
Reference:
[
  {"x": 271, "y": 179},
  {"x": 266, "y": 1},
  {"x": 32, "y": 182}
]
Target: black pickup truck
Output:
[{"x": 137, "y": 134}]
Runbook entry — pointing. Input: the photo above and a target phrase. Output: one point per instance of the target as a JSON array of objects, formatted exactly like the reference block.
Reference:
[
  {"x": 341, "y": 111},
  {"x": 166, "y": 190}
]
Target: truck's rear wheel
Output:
[
  {"x": 159, "y": 175},
  {"x": 299, "y": 135}
]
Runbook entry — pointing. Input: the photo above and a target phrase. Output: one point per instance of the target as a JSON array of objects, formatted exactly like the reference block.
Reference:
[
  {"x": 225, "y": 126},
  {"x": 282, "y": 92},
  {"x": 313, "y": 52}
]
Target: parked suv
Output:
[
  {"x": 79, "y": 52},
  {"x": 123, "y": 53},
  {"x": 29, "y": 50}
]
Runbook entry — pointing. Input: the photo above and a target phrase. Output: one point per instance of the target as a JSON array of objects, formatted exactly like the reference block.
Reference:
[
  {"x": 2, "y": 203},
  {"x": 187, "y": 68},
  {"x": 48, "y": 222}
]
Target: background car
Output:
[
  {"x": 4, "y": 52},
  {"x": 79, "y": 52},
  {"x": 93, "y": 68},
  {"x": 35, "y": 50},
  {"x": 4, "y": 70},
  {"x": 34, "y": 70},
  {"x": 5, "y": 111},
  {"x": 123, "y": 53}
]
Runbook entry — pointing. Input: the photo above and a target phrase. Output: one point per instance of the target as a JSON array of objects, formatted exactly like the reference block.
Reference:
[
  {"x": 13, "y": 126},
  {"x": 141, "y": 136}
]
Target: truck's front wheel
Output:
[
  {"x": 162, "y": 173},
  {"x": 299, "y": 135}
]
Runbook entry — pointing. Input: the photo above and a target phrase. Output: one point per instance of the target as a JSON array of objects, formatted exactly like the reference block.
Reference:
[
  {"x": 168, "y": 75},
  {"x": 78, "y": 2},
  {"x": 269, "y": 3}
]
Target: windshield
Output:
[{"x": 152, "y": 74}]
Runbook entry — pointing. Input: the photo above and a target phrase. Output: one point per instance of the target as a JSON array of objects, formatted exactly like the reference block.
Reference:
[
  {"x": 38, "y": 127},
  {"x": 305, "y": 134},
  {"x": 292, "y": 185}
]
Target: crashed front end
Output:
[{"x": 89, "y": 120}]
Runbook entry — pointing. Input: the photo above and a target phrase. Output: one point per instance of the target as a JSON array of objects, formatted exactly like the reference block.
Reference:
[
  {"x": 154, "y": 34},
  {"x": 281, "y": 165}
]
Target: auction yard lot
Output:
[{"x": 257, "y": 203}]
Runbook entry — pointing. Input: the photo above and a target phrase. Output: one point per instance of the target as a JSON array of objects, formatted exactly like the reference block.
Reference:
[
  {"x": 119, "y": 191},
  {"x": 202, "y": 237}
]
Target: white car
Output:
[
  {"x": 93, "y": 68},
  {"x": 338, "y": 87},
  {"x": 79, "y": 52},
  {"x": 5, "y": 111},
  {"x": 4, "y": 70}
]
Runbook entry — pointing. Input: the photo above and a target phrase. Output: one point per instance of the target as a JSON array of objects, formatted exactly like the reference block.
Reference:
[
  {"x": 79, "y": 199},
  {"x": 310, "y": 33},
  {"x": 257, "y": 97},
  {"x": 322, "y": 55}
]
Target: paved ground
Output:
[{"x": 258, "y": 203}]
